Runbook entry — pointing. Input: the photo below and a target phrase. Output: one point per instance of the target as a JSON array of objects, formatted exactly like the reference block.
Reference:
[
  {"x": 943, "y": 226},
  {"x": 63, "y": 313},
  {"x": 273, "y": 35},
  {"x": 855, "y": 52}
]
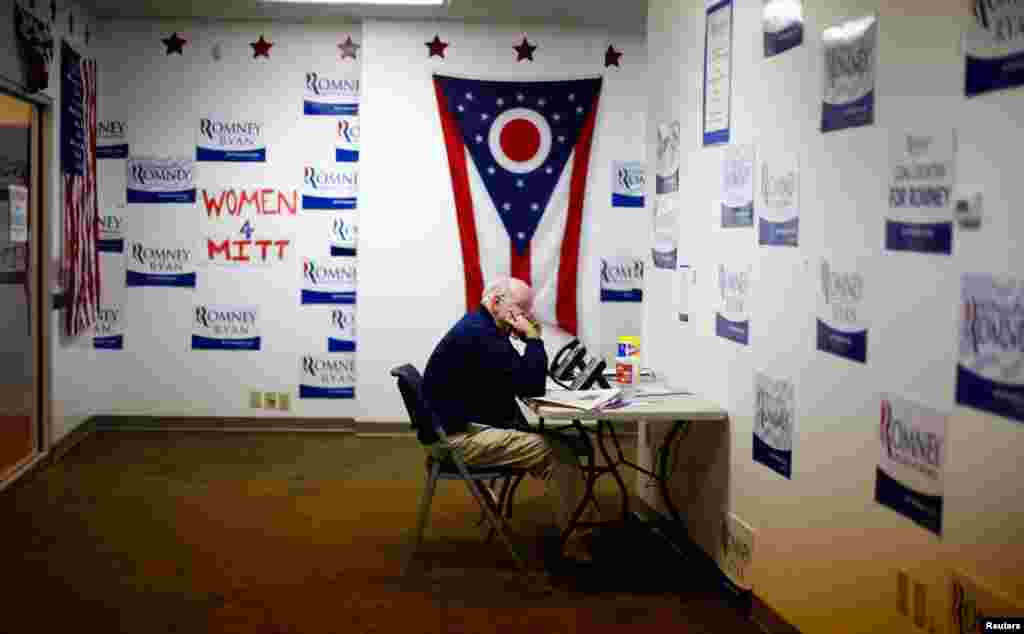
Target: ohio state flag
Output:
[{"x": 519, "y": 154}]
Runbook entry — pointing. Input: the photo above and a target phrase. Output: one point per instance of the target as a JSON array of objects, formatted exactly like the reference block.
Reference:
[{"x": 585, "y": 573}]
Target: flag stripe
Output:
[
  {"x": 463, "y": 202},
  {"x": 520, "y": 263},
  {"x": 568, "y": 268}
]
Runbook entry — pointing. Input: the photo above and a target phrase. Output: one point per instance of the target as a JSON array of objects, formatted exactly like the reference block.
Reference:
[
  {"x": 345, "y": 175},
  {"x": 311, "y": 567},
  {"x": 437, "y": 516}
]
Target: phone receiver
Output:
[{"x": 566, "y": 360}]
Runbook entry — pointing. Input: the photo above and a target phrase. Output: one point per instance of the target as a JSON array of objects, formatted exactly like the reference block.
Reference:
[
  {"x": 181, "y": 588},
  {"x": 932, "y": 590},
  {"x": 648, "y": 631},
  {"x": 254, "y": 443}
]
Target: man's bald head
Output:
[{"x": 506, "y": 298}]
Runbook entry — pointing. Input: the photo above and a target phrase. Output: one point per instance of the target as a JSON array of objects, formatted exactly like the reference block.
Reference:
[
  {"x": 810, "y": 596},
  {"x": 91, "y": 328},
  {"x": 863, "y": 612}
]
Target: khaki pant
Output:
[{"x": 543, "y": 456}]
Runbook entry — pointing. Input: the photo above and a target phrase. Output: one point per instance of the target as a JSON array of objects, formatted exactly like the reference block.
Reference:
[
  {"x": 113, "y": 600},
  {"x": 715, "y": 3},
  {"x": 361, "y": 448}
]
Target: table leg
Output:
[
  {"x": 662, "y": 468},
  {"x": 613, "y": 465}
]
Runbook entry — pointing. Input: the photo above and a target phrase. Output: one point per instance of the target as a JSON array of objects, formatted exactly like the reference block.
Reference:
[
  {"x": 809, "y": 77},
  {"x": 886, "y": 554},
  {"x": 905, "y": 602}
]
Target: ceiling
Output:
[{"x": 621, "y": 16}]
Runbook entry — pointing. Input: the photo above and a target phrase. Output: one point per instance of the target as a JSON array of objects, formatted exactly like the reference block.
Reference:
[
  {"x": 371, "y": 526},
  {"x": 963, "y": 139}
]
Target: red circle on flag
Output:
[{"x": 520, "y": 139}]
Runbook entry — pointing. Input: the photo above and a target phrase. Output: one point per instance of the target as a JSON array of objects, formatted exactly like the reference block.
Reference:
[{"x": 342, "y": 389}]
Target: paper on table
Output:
[{"x": 584, "y": 400}]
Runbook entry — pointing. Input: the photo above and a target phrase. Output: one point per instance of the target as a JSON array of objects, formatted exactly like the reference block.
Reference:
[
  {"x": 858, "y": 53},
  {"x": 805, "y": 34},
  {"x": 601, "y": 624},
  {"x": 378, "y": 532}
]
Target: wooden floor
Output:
[
  {"x": 15, "y": 441},
  {"x": 146, "y": 532}
]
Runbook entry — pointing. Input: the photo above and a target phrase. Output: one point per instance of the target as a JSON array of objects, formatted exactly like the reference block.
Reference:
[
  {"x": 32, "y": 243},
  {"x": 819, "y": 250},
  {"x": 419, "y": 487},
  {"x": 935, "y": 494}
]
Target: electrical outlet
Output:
[
  {"x": 903, "y": 592},
  {"x": 270, "y": 400},
  {"x": 255, "y": 399},
  {"x": 284, "y": 401},
  {"x": 920, "y": 604}
]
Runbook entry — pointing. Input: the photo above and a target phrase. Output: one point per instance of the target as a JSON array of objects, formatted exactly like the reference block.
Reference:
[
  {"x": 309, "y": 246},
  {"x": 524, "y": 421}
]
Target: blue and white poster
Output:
[
  {"x": 732, "y": 317},
  {"x": 231, "y": 140},
  {"x": 330, "y": 187},
  {"x": 153, "y": 263},
  {"x": 737, "y": 205},
  {"x": 108, "y": 331},
  {"x": 664, "y": 250},
  {"x": 327, "y": 376},
  {"x": 622, "y": 279},
  {"x": 225, "y": 327},
  {"x": 347, "y": 147},
  {"x": 851, "y": 51},
  {"x": 329, "y": 280},
  {"x": 628, "y": 184},
  {"x": 842, "y": 322},
  {"x": 908, "y": 479},
  {"x": 990, "y": 368},
  {"x": 774, "y": 423},
  {"x": 111, "y": 238},
  {"x": 344, "y": 233},
  {"x": 160, "y": 181},
  {"x": 783, "y": 25},
  {"x": 778, "y": 205},
  {"x": 342, "y": 329},
  {"x": 920, "y": 214},
  {"x": 717, "y": 71},
  {"x": 111, "y": 139},
  {"x": 331, "y": 94},
  {"x": 994, "y": 46}
]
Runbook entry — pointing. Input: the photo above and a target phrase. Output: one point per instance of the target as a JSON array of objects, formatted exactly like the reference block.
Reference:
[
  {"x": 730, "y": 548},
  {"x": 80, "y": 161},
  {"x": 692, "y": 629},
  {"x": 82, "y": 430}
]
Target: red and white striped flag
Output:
[{"x": 81, "y": 217}]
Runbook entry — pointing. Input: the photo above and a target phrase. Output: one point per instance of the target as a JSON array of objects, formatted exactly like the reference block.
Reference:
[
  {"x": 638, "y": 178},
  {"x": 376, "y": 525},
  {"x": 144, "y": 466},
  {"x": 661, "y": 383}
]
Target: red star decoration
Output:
[
  {"x": 348, "y": 48},
  {"x": 174, "y": 43},
  {"x": 611, "y": 56},
  {"x": 261, "y": 48},
  {"x": 525, "y": 50},
  {"x": 436, "y": 47}
]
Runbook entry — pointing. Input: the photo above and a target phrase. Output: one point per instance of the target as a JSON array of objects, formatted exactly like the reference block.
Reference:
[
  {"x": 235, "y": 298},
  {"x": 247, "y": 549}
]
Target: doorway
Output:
[{"x": 21, "y": 360}]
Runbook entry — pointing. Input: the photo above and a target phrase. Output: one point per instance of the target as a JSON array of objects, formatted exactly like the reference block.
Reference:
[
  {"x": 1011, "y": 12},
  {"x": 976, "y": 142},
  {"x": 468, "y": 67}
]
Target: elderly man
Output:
[{"x": 472, "y": 380}]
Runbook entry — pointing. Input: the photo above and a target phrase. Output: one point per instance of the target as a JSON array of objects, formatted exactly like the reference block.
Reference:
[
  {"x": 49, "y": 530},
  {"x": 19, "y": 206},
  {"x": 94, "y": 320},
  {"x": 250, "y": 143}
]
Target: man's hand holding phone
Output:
[{"x": 525, "y": 326}]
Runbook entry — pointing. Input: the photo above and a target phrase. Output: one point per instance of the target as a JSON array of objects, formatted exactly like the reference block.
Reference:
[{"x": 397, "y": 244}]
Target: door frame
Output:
[{"x": 39, "y": 272}]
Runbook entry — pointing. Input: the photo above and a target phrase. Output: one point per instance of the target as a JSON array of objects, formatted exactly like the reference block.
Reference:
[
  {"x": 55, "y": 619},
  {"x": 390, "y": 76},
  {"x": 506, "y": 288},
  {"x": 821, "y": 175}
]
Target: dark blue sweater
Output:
[{"x": 475, "y": 374}]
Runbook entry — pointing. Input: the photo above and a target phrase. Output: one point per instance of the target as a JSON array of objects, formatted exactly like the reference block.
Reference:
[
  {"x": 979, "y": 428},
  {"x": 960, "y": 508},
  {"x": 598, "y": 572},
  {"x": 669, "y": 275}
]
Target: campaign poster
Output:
[
  {"x": 155, "y": 263},
  {"x": 717, "y": 71},
  {"x": 994, "y": 47},
  {"x": 732, "y": 316},
  {"x": 686, "y": 274},
  {"x": 665, "y": 251},
  {"x": 112, "y": 139},
  {"x": 342, "y": 329},
  {"x": 851, "y": 52},
  {"x": 225, "y": 327},
  {"x": 737, "y": 204},
  {"x": 160, "y": 181},
  {"x": 329, "y": 280},
  {"x": 782, "y": 22},
  {"x": 330, "y": 187},
  {"x": 908, "y": 479},
  {"x": 344, "y": 233},
  {"x": 628, "y": 184},
  {"x": 774, "y": 423},
  {"x": 778, "y": 203},
  {"x": 230, "y": 140},
  {"x": 108, "y": 331},
  {"x": 332, "y": 94},
  {"x": 842, "y": 320},
  {"x": 990, "y": 368},
  {"x": 346, "y": 148},
  {"x": 622, "y": 279},
  {"x": 920, "y": 216},
  {"x": 327, "y": 376}
]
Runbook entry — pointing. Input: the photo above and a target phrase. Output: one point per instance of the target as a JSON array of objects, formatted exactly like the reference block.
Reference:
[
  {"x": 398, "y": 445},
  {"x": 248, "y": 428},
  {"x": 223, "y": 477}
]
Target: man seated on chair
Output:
[{"x": 471, "y": 383}]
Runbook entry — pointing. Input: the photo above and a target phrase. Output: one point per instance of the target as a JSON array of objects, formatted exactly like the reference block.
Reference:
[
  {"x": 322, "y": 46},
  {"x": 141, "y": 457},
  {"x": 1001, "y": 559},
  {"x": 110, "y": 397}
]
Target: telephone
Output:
[{"x": 572, "y": 365}]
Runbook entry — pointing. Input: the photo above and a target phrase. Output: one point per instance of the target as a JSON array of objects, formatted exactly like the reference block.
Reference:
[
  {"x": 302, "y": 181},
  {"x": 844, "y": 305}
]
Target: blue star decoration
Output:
[
  {"x": 611, "y": 56},
  {"x": 524, "y": 50},
  {"x": 174, "y": 43},
  {"x": 261, "y": 48},
  {"x": 436, "y": 47}
]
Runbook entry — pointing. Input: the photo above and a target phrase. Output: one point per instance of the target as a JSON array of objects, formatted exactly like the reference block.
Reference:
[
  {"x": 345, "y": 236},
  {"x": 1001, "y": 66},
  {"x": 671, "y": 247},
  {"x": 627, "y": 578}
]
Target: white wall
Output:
[
  {"x": 826, "y": 554},
  {"x": 410, "y": 288}
]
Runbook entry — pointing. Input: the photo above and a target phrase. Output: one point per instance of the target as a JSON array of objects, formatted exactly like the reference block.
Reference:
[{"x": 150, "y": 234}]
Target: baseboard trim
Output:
[
  {"x": 226, "y": 424},
  {"x": 770, "y": 621},
  {"x": 44, "y": 460}
]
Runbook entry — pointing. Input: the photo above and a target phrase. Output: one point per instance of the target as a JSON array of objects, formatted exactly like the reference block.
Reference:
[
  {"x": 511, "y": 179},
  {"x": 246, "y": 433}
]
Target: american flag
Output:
[
  {"x": 519, "y": 154},
  {"x": 80, "y": 266}
]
